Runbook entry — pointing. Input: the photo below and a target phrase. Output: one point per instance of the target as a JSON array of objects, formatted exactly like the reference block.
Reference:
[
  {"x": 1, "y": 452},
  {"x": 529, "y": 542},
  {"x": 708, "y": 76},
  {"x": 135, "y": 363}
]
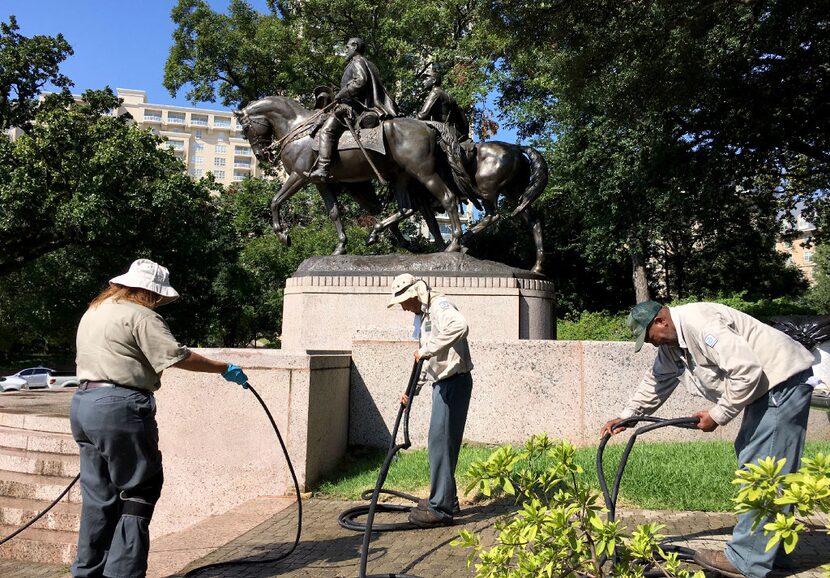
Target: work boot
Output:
[
  {"x": 716, "y": 561},
  {"x": 423, "y": 504},
  {"x": 426, "y": 519}
]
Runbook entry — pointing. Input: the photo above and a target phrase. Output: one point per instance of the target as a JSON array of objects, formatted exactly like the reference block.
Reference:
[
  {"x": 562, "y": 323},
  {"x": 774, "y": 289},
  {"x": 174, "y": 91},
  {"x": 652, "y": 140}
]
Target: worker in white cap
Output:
[{"x": 442, "y": 333}]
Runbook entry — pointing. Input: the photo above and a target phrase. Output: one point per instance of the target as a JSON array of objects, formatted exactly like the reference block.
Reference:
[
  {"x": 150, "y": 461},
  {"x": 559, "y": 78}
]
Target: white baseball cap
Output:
[
  {"x": 149, "y": 275},
  {"x": 403, "y": 288}
]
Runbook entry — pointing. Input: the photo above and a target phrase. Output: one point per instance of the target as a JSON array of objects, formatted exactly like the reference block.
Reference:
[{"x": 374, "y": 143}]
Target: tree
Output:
[
  {"x": 26, "y": 65},
  {"x": 244, "y": 55},
  {"x": 673, "y": 124}
]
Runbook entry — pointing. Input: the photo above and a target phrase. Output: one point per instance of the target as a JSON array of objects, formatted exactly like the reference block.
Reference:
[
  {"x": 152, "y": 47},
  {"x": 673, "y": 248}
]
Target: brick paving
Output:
[{"x": 328, "y": 551}]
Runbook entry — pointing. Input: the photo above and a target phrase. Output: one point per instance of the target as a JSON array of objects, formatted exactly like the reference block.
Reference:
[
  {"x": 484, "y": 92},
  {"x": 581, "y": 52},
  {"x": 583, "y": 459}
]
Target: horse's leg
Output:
[
  {"x": 330, "y": 202},
  {"x": 535, "y": 222},
  {"x": 491, "y": 215},
  {"x": 388, "y": 223},
  {"x": 391, "y": 222},
  {"x": 292, "y": 184},
  {"x": 432, "y": 223},
  {"x": 442, "y": 192}
]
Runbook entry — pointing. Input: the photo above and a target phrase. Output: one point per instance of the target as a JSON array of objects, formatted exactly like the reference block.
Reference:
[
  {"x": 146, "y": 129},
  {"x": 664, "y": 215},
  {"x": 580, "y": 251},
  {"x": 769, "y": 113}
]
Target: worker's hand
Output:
[
  {"x": 609, "y": 428},
  {"x": 235, "y": 374},
  {"x": 417, "y": 356},
  {"x": 706, "y": 422},
  {"x": 404, "y": 399}
]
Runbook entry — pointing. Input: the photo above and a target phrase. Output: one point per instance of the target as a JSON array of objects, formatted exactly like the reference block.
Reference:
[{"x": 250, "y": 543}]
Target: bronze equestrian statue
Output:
[{"x": 361, "y": 94}]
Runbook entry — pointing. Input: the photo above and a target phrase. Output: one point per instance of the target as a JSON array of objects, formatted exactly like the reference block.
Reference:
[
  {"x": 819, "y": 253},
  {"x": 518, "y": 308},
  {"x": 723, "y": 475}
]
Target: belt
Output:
[{"x": 86, "y": 384}]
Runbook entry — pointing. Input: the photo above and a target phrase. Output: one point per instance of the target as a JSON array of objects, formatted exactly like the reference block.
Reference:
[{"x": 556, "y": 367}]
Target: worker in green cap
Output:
[{"x": 738, "y": 364}]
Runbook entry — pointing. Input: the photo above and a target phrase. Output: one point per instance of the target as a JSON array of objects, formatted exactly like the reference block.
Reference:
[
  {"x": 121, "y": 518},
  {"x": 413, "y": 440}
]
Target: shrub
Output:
[
  {"x": 782, "y": 503},
  {"x": 557, "y": 530}
]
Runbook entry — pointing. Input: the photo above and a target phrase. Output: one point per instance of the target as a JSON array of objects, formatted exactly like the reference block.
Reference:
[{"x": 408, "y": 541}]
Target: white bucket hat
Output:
[
  {"x": 149, "y": 275},
  {"x": 403, "y": 288}
]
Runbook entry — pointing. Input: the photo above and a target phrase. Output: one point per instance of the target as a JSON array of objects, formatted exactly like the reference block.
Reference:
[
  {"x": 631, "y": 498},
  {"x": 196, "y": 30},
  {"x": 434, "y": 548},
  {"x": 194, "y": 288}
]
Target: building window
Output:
[
  {"x": 808, "y": 256},
  {"x": 220, "y": 122},
  {"x": 238, "y": 175},
  {"x": 152, "y": 115},
  {"x": 219, "y": 162},
  {"x": 197, "y": 133},
  {"x": 242, "y": 164},
  {"x": 198, "y": 120},
  {"x": 222, "y": 137},
  {"x": 196, "y": 172},
  {"x": 221, "y": 149},
  {"x": 243, "y": 151},
  {"x": 176, "y": 145},
  {"x": 198, "y": 159},
  {"x": 219, "y": 174},
  {"x": 197, "y": 146},
  {"x": 175, "y": 117}
]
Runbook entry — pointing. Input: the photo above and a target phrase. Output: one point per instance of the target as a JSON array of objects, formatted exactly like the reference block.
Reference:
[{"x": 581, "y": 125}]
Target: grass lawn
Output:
[{"x": 658, "y": 476}]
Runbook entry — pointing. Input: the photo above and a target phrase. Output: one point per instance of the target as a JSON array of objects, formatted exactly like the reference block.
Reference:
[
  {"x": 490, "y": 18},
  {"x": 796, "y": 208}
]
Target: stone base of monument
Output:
[{"x": 329, "y": 298}]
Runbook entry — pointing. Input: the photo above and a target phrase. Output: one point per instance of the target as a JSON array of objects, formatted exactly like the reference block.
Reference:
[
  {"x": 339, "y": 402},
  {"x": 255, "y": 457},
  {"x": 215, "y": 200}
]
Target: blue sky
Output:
[{"x": 118, "y": 44}]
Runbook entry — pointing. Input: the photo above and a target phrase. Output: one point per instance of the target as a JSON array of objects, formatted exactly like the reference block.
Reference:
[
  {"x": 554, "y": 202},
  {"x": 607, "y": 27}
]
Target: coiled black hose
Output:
[{"x": 346, "y": 518}]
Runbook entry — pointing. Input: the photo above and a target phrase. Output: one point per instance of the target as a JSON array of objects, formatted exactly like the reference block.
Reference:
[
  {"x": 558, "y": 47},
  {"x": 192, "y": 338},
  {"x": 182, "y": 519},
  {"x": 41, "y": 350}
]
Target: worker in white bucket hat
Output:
[{"x": 123, "y": 348}]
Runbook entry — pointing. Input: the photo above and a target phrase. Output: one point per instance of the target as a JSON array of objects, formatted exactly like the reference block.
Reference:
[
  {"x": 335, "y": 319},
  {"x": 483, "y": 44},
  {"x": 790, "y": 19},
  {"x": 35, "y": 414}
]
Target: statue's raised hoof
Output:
[
  {"x": 284, "y": 239},
  {"x": 371, "y": 239},
  {"x": 453, "y": 247},
  {"x": 538, "y": 270},
  {"x": 340, "y": 250}
]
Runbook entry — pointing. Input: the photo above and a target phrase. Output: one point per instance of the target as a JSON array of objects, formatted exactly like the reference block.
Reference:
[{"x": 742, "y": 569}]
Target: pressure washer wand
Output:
[{"x": 403, "y": 414}]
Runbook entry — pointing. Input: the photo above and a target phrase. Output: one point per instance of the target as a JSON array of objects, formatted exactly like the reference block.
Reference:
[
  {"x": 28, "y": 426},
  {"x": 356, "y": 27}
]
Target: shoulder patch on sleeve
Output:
[
  {"x": 443, "y": 304},
  {"x": 710, "y": 340}
]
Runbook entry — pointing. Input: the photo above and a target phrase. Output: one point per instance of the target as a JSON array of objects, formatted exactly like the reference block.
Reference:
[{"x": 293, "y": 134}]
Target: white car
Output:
[
  {"x": 42, "y": 377},
  {"x": 12, "y": 383}
]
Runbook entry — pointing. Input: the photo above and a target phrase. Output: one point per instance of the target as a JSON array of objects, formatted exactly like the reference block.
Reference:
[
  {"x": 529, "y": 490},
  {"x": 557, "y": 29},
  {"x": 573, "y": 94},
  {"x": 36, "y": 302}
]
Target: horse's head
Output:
[{"x": 258, "y": 131}]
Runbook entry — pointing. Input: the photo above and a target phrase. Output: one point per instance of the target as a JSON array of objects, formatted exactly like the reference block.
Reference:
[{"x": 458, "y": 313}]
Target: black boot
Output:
[{"x": 321, "y": 171}]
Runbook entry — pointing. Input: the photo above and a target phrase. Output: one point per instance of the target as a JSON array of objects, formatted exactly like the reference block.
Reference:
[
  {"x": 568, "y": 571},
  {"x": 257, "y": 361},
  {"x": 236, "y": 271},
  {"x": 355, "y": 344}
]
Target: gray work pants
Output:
[
  {"x": 773, "y": 425},
  {"x": 450, "y": 401},
  {"x": 116, "y": 431}
]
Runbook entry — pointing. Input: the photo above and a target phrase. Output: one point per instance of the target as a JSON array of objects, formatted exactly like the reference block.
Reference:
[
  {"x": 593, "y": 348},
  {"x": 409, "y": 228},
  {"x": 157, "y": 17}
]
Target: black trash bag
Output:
[{"x": 808, "y": 330}]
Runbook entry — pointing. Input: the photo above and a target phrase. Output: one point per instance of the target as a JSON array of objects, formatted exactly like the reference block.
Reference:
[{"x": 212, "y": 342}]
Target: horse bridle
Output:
[{"x": 272, "y": 150}]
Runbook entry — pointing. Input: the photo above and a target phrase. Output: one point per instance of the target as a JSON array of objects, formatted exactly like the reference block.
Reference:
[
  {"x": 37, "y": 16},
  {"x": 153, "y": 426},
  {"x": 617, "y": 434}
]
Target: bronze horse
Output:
[
  {"x": 279, "y": 127},
  {"x": 518, "y": 172}
]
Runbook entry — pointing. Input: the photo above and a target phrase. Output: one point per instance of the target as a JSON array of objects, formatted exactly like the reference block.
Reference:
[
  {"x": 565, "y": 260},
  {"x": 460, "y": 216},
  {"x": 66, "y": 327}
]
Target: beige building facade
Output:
[
  {"x": 801, "y": 249},
  {"x": 207, "y": 141}
]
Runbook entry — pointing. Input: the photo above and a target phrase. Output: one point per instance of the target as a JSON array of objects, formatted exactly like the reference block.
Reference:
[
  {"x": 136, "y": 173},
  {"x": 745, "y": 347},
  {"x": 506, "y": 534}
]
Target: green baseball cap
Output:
[{"x": 640, "y": 318}]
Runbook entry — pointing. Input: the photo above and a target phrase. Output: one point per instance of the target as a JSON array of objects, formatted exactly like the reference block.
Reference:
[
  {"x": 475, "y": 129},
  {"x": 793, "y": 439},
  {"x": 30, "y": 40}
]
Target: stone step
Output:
[
  {"x": 37, "y": 487},
  {"x": 47, "y": 464},
  {"x": 41, "y": 546},
  {"x": 36, "y": 422},
  {"x": 64, "y": 516},
  {"x": 37, "y": 441}
]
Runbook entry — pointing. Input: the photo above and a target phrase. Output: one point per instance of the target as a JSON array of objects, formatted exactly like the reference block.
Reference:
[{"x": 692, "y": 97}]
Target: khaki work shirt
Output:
[
  {"x": 443, "y": 340},
  {"x": 127, "y": 344},
  {"x": 725, "y": 356}
]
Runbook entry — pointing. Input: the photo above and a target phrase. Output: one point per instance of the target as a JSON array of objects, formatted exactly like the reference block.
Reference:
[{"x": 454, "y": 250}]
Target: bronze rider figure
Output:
[{"x": 361, "y": 91}]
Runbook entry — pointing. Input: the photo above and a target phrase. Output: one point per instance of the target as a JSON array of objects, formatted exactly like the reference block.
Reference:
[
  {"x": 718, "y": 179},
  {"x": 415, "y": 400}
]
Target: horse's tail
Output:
[
  {"x": 536, "y": 183},
  {"x": 452, "y": 150}
]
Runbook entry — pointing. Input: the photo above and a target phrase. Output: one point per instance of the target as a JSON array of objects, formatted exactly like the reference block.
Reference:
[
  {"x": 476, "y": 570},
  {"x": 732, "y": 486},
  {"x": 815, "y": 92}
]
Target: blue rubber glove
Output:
[{"x": 235, "y": 374}]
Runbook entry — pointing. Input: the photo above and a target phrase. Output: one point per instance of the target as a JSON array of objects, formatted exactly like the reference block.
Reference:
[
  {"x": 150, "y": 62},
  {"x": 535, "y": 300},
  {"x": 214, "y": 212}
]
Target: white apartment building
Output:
[{"x": 207, "y": 141}]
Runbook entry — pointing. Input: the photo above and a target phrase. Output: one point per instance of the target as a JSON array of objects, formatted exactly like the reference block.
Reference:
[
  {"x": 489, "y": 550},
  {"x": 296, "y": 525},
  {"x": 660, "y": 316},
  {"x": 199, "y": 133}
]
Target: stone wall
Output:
[
  {"x": 219, "y": 447},
  {"x": 565, "y": 388}
]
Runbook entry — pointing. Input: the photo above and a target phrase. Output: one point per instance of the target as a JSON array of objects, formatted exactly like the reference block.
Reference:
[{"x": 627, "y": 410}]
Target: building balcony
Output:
[{"x": 242, "y": 165}]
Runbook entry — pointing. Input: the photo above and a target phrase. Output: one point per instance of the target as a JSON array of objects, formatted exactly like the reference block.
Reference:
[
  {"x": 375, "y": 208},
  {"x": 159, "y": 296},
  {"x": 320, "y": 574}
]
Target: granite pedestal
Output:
[{"x": 329, "y": 298}]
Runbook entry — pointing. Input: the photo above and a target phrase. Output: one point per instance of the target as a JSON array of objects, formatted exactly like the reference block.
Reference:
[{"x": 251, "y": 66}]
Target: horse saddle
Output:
[{"x": 370, "y": 138}]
